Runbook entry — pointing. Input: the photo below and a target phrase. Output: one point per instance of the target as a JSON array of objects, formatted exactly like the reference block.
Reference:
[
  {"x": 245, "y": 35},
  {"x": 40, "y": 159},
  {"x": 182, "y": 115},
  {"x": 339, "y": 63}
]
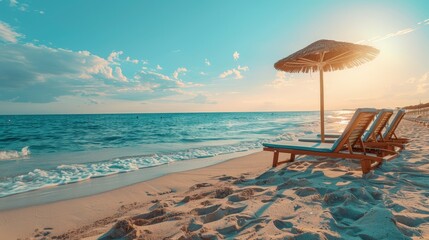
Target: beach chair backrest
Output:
[
  {"x": 390, "y": 130},
  {"x": 377, "y": 126},
  {"x": 355, "y": 128}
]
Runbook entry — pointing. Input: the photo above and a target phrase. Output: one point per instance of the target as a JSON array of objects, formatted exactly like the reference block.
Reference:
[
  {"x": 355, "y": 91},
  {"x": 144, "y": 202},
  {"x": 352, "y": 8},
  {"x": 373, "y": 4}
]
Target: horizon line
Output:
[{"x": 130, "y": 113}]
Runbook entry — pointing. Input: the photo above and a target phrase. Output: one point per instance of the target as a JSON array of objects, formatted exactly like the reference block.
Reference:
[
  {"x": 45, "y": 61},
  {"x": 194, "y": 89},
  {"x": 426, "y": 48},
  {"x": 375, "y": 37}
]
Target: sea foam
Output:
[
  {"x": 72, "y": 173},
  {"x": 14, "y": 155}
]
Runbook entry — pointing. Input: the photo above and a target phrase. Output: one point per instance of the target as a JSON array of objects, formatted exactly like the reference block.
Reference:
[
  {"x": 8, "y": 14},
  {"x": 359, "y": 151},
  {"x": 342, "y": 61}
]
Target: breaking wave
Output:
[{"x": 13, "y": 155}]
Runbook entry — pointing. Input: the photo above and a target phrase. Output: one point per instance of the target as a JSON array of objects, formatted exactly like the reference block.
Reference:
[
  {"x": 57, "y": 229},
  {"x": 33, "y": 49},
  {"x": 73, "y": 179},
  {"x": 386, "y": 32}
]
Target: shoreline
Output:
[{"x": 103, "y": 184}]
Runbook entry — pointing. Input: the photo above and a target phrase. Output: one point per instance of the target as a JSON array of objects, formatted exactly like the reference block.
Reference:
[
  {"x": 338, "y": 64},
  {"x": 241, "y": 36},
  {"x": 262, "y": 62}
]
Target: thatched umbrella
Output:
[{"x": 326, "y": 56}]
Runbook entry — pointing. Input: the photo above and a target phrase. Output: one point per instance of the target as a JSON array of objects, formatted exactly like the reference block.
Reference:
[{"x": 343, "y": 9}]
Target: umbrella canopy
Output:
[{"x": 326, "y": 56}]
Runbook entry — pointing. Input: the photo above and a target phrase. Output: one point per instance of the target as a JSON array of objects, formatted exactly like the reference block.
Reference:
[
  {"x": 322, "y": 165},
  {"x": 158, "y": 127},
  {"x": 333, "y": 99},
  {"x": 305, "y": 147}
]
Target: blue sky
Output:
[{"x": 107, "y": 56}]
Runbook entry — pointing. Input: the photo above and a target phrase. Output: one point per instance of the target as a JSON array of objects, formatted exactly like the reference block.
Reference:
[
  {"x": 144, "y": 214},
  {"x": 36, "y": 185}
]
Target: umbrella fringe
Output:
[{"x": 343, "y": 55}]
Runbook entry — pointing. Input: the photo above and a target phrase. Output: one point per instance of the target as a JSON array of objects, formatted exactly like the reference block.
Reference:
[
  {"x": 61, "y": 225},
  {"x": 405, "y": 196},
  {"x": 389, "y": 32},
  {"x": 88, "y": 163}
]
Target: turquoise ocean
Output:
[{"x": 41, "y": 151}]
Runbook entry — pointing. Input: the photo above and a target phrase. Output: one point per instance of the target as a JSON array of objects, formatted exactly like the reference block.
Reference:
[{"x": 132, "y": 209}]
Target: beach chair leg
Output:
[
  {"x": 292, "y": 157},
  {"x": 366, "y": 166},
  {"x": 275, "y": 158},
  {"x": 376, "y": 164}
]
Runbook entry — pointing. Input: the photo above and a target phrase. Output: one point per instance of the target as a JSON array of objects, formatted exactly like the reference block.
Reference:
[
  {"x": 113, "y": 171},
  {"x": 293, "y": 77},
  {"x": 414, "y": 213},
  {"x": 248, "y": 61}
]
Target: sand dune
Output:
[{"x": 245, "y": 199}]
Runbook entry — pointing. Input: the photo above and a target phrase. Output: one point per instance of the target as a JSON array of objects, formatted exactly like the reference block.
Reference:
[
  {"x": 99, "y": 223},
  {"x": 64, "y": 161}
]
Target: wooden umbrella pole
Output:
[{"x": 322, "y": 108}]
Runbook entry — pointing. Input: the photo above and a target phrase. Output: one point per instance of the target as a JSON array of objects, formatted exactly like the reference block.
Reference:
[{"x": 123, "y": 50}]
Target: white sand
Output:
[{"x": 245, "y": 199}]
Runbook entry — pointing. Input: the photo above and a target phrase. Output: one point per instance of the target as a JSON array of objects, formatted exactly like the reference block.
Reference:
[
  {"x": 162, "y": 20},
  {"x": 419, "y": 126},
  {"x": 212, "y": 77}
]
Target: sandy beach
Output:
[{"x": 244, "y": 198}]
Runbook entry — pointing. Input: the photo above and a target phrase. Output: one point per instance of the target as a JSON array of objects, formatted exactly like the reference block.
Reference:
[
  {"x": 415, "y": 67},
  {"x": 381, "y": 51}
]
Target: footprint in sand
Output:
[
  {"x": 42, "y": 234},
  {"x": 221, "y": 213},
  {"x": 206, "y": 210},
  {"x": 223, "y": 192},
  {"x": 192, "y": 226},
  {"x": 282, "y": 224},
  {"x": 156, "y": 216},
  {"x": 228, "y": 230},
  {"x": 196, "y": 196},
  {"x": 227, "y": 178},
  {"x": 291, "y": 183},
  {"x": 306, "y": 191},
  {"x": 123, "y": 229},
  {"x": 412, "y": 220},
  {"x": 267, "y": 174},
  {"x": 245, "y": 194},
  {"x": 161, "y": 204},
  {"x": 150, "y": 194},
  {"x": 347, "y": 215},
  {"x": 200, "y": 185}
]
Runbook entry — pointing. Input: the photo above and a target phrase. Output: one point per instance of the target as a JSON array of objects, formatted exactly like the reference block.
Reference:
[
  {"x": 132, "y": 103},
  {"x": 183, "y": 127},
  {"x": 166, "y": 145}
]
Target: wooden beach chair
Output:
[
  {"x": 372, "y": 138},
  {"x": 341, "y": 148},
  {"x": 389, "y": 134},
  {"x": 374, "y": 132}
]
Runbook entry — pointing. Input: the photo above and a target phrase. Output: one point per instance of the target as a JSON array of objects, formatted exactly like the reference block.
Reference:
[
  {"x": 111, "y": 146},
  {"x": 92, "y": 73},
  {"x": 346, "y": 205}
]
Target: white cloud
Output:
[
  {"x": 387, "y": 36},
  {"x": 424, "y": 22},
  {"x": 226, "y": 73},
  {"x": 159, "y": 75},
  {"x": 181, "y": 91},
  {"x": 178, "y": 71},
  {"x": 94, "y": 65},
  {"x": 32, "y": 73},
  {"x": 207, "y": 62},
  {"x": 172, "y": 83},
  {"x": 203, "y": 73},
  {"x": 180, "y": 83},
  {"x": 279, "y": 81},
  {"x": 395, "y": 34},
  {"x": 236, "y": 55},
  {"x": 120, "y": 75},
  {"x": 158, "y": 67},
  {"x": 191, "y": 84},
  {"x": 422, "y": 83},
  {"x": 114, "y": 56},
  {"x": 135, "y": 61},
  {"x": 21, "y": 6},
  {"x": 413, "y": 88},
  {"x": 423, "y": 88},
  {"x": 13, "y": 3},
  {"x": 245, "y": 68},
  {"x": 140, "y": 88},
  {"x": 41, "y": 74},
  {"x": 235, "y": 71},
  {"x": 165, "y": 85},
  {"x": 7, "y": 34}
]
